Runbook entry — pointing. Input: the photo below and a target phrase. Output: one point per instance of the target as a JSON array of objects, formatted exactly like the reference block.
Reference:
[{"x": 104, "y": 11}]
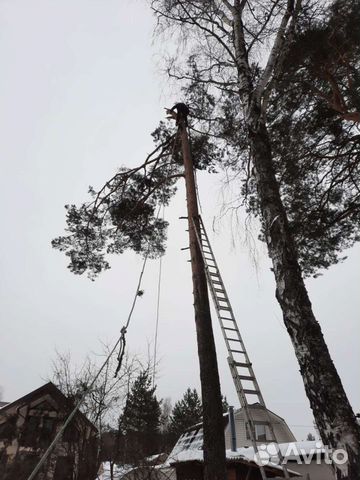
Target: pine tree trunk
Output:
[
  {"x": 332, "y": 411},
  {"x": 214, "y": 442}
]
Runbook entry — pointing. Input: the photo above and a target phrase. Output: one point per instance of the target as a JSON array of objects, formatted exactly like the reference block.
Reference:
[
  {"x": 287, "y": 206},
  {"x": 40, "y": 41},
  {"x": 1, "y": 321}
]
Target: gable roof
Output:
[
  {"x": 53, "y": 391},
  {"x": 238, "y": 410}
]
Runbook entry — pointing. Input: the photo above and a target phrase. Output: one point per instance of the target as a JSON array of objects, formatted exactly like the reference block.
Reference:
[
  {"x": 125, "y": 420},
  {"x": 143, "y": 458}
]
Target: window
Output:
[
  {"x": 31, "y": 431},
  {"x": 48, "y": 426},
  {"x": 260, "y": 432},
  {"x": 47, "y": 431}
]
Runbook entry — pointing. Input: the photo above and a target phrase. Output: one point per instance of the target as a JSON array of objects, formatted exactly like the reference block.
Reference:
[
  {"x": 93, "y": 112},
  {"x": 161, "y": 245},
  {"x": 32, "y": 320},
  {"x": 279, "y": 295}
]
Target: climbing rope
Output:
[
  {"x": 121, "y": 342},
  {"x": 122, "y": 339}
]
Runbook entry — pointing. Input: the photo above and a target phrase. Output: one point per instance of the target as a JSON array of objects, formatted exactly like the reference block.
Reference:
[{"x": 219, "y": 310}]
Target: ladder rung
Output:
[
  {"x": 246, "y": 377},
  {"x": 220, "y": 307},
  {"x": 219, "y": 290},
  {"x": 213, "y": 274},
  {"x": 241, "y": 364},
  {"x": 216, "y": 281},
  {"x": 222, "y": 299},
  {"x": 251, "y": 392},
  {"x": 228, "y": 328}
]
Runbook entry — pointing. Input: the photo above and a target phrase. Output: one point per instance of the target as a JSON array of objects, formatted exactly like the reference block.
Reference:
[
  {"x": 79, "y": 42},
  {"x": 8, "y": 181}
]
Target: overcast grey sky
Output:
[{"x": 80, "y": 92}]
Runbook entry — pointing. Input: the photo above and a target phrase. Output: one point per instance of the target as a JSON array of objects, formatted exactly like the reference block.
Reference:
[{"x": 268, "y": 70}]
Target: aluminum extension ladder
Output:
[{"x": 242, "y": 372}]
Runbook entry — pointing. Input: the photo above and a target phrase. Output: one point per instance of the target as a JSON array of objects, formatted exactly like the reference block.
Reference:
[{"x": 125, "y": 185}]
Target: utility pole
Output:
[{"x": 213, "y": 424}]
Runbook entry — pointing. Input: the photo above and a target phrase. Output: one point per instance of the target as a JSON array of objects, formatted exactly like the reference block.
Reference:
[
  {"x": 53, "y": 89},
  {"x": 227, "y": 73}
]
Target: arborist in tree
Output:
[{"x": 182, "y": 112}]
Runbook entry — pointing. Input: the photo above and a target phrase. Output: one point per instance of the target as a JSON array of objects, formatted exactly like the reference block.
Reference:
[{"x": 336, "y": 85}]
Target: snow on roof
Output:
[
  {"x": 152, "y": 458},
  {"x": 197, "y": 455},
  {"x": 290, "y": 451}
]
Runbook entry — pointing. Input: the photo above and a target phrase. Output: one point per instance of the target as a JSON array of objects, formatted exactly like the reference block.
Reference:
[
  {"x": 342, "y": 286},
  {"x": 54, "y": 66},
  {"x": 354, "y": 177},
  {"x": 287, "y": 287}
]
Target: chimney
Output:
[{"x": 232, "y": 429}]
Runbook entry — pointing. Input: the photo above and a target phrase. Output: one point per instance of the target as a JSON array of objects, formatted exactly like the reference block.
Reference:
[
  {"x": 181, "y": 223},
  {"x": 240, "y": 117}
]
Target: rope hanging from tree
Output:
[
  {"x": 122, "y": 339},
  {"x": 121, "y": 342}
]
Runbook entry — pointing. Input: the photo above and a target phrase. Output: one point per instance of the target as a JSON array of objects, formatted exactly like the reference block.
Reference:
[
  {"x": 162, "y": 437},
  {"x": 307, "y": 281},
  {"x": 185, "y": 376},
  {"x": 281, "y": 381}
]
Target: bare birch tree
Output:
[{"x": 104, "y": 402}]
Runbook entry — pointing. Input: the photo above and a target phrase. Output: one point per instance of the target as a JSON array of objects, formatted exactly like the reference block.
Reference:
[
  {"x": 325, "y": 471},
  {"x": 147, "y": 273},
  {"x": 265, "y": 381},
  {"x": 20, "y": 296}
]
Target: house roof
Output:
[
  {"x": 242, "y": 455},
  {"x": 3, "y": 404},
  {"x": 258, "y": 405},
  {"x": 51, "y": 389}
]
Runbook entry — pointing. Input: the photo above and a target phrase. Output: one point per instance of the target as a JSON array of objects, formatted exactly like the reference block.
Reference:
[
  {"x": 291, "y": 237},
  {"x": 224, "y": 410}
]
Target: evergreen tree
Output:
[
  {"x": 186, "y": 412},
  {"x": 140, "y": 421}
]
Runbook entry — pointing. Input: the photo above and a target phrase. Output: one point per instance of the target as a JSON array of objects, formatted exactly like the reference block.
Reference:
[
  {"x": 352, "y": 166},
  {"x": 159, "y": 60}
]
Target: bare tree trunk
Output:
[
  {"x": 214, "y": 443},
  {"x": 332, "y": 411}
]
